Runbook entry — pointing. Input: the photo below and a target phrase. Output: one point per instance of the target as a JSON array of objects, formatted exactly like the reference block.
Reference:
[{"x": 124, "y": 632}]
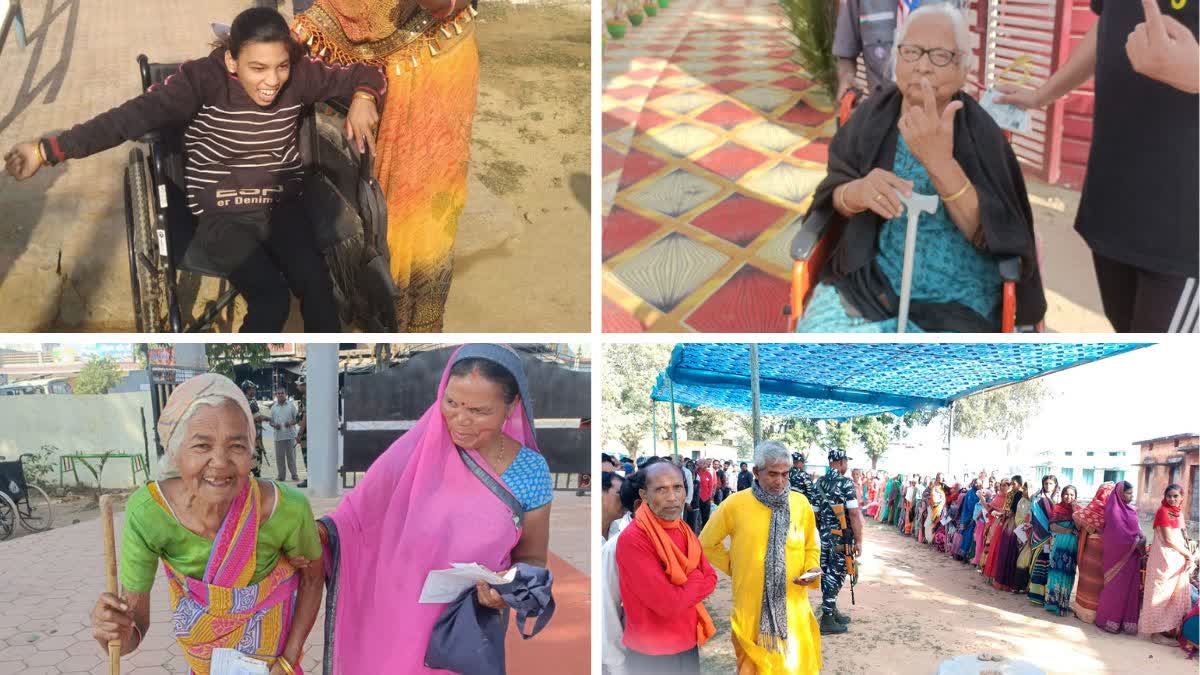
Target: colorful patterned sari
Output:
[
  {"x": 1124, "y": 548},
  {"x": 224, "y": 609},
  {"x": 1062, "y": 562},
  {"x": 1039, "y": 540},
  {"x": 424, "y": 132}
]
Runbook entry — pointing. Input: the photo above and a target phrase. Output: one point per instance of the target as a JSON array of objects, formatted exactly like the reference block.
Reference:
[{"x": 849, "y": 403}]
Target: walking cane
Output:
[
  {"x": 914, "y": 206},
  {"x": 110, "y": 574}
]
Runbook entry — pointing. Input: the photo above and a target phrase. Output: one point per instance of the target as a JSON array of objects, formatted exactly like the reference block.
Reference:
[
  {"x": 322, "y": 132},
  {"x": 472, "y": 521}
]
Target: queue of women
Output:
[
  {"x": 246, "y": 564},
  {"x": 1091, "y": 560}
]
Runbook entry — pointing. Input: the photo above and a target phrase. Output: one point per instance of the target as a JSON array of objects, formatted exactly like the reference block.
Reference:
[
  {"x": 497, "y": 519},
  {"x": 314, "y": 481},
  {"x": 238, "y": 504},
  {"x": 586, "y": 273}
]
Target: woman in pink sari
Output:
[
  {"x": 1168, "y": 597},
  {"x": 422, "y": 507},
  {"x": 995, "y": 520},
  {"x": 1124, "y": 546}
]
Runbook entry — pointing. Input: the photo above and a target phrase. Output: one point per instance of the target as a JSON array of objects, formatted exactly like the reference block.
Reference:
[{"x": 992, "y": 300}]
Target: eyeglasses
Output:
[{"x": 937, "y": 56}]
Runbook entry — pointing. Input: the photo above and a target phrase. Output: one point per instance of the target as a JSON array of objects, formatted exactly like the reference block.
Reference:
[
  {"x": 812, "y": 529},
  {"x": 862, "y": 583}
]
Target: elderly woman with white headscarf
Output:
[
  {"x": 924, "y": 135},
  {"x": 224, "y": 539}
]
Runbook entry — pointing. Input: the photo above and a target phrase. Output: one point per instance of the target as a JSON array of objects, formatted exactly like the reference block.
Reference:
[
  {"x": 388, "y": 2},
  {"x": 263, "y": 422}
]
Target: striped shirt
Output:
[{"x": 239, "y": 156}]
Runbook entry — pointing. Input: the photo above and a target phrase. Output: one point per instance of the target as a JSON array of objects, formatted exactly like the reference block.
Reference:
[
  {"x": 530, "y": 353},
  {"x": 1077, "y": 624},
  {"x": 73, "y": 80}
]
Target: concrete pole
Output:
[
  {"x": 322, "y": 412},
  {"x": 674, "y": 428},
  {"x": 755, "y": 410}
]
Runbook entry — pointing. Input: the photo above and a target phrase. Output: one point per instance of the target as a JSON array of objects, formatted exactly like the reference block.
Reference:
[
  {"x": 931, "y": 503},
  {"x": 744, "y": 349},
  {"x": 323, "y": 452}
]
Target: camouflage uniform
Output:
[
  {"x": 799, "y": 479},
  {"x": 831, "y": 489}
]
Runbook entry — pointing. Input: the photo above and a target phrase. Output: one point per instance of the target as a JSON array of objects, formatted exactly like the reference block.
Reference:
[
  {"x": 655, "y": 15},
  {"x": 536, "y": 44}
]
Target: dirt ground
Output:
[
  {"x": 531, "y": 148},
  {"x": 916, "y": 608}
]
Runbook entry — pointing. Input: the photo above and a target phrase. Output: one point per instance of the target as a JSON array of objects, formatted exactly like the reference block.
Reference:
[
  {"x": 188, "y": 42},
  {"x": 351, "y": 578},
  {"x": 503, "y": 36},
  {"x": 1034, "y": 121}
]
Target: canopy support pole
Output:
[
  {"x": 674, "y": 429},
  {"x": 950, "y": 440},
  {"x": 653, "y": 427},
  {"x": 755, "y": 408}
]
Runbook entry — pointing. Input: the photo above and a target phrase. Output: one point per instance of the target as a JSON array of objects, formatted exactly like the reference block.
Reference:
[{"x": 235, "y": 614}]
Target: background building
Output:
[{"x": 1166, "y": 460}]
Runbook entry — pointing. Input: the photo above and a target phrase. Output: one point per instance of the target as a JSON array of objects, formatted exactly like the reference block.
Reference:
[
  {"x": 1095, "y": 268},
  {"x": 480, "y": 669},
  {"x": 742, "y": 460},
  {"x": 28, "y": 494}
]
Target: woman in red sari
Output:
[
  {"x": 995, "y": 512},
  {"x": 1168, "y": 595},
  {"x": 1090, "y": 520},
  {"x": 1124, "y": 547}
]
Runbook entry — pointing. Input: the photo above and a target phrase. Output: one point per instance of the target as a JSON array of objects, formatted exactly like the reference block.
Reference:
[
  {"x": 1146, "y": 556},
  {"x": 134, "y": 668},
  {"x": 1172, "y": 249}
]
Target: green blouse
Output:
[{"x": 153, "y": 534}]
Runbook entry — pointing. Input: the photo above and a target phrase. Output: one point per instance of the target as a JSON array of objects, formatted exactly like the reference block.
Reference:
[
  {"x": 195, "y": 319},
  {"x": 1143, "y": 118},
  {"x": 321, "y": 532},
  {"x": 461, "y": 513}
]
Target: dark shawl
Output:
[{"x": 868, "y": 141}]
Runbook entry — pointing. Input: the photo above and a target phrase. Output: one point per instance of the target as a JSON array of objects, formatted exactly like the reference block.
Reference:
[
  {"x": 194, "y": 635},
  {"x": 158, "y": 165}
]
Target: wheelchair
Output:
[
  {"x": 819, "y": 235},
  {"x": 21, "y": 501},
  {"x": 343, "y": 199}
]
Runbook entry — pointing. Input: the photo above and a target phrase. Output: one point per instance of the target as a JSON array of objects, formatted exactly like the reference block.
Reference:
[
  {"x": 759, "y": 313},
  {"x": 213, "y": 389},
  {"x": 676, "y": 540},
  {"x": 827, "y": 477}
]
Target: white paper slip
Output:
[
  {"x": 232, "y": 662},
  {"x": 1007, "y": 116},
  {"x": 446, "y": 585}
]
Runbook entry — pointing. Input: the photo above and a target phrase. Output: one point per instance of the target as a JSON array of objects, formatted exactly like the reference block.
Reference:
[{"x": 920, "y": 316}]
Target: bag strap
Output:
[{"x": 514, "y": 505}]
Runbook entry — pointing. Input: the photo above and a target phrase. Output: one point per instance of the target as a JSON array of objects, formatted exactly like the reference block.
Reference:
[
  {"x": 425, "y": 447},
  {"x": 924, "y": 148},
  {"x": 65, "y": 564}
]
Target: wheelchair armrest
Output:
[
  {"x": 1010, "y": 268},
  {"x": 810, "y": 233}
]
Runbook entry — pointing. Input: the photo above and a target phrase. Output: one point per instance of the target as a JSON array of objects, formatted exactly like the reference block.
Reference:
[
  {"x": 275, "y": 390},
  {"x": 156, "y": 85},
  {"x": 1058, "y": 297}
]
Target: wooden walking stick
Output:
[{"x": 110, "y": 575}]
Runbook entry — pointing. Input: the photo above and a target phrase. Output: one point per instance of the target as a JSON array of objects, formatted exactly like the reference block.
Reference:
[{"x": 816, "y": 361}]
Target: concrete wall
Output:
[
  {"x": 78, "y": 424},
  {"x": 1157, "y": 473}
]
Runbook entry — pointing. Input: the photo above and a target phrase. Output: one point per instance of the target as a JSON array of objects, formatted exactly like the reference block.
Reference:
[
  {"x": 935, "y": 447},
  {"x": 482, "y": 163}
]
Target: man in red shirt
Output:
[
  {"x": 664, "y": 577},
  {"x": 708, "y": 485}
]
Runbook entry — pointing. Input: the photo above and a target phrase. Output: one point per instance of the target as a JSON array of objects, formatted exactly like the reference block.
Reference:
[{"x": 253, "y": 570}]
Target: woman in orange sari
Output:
[
  {"x": 427, "y": 49},
  {"x": 1000, "y": 506},
  {"x": 1090, "y": 520}
]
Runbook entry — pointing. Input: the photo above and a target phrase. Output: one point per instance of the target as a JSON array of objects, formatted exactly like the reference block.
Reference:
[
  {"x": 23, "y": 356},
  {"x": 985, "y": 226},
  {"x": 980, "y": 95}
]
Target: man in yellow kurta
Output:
[{"x": 773, "y": 560}]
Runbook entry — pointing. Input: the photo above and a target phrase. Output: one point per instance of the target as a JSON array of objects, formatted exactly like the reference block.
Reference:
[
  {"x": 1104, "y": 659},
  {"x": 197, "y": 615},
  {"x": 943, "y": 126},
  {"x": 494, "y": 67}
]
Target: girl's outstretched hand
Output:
[{"x": 22, "y": 161}]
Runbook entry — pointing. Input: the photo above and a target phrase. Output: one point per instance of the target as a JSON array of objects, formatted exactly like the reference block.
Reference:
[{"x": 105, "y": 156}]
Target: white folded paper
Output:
[
  {"x": 446, "y": 585},
  {"x": 1007, "y": 116},
  {"x": 232, "y": 662}
]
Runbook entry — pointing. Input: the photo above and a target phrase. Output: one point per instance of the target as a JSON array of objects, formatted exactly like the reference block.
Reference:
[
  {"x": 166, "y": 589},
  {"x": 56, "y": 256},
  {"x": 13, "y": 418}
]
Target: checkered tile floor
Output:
[{"x": 713, "y": 143}]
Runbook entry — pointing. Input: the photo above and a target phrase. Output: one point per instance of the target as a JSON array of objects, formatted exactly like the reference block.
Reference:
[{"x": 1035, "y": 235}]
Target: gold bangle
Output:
[
  {"x": 958, "y": 194},
  {"x": 287, "y": 667},
  {"x": 40, "y": 155},
  {"x": 845, "y": 207},
  {"x": 364, "y": 95}
]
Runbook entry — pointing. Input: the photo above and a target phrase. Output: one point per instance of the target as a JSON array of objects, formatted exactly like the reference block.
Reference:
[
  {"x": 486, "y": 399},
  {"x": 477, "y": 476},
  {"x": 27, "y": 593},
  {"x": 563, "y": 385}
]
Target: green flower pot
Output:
[
  {"x": 617, "y": 29},
  {"x": 651, "y": 9},
  {"x": 636, "y": 18},
  {"x": 663, "y": 4}
]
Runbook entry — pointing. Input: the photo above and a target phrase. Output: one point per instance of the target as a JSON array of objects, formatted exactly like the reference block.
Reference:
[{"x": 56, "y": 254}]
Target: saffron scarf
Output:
[
  {"x": 676, "y": 563},
  {"x": 224, "y": 609}
]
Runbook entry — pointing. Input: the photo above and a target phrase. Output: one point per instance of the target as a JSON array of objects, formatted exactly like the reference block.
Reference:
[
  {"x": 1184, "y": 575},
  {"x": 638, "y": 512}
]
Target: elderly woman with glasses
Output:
[{"x": 924, "y": 135}]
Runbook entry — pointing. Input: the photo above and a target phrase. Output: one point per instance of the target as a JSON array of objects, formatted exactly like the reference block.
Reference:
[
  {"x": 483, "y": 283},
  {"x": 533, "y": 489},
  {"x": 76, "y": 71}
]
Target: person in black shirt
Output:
[
  {"x": 1138, "y": 211},
  {"x": 745, "y": 478}
]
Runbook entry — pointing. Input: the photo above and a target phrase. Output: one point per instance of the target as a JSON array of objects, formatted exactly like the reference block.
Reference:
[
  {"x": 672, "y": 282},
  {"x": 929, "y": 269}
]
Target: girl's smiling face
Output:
[{"x": 262, "y": 68}]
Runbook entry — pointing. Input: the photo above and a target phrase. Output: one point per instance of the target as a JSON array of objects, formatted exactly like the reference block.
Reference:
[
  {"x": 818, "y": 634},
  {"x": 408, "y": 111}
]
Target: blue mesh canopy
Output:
[{"x": 839, "y": 381}]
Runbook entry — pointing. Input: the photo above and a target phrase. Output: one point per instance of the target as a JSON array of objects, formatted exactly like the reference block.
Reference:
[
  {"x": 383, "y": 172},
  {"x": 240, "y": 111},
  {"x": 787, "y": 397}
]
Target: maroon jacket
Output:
[{"x": 239, "y": 155}]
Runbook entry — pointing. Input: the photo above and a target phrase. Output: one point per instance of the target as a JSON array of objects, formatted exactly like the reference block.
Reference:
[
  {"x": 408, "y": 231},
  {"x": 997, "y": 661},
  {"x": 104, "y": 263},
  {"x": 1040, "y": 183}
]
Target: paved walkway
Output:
[
  {"x": 713, "y": 142},
  {"x": 51, "y": 581}
]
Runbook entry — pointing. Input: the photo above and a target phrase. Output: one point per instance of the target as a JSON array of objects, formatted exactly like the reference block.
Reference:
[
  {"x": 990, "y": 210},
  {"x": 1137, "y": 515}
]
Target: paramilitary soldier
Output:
[
  {"x": 839, "y": 522},
  {"x": 798, "y": 478}
]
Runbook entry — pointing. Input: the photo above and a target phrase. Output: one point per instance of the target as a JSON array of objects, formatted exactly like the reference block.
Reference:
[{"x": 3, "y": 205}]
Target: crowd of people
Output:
[
  {"x": 1041, "y": 542},
  {"x": 666, "y": 521}
]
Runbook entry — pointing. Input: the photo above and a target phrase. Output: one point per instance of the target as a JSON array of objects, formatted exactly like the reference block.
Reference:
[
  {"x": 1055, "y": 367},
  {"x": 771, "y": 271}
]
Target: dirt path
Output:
[{"x": 917, "y": 608}]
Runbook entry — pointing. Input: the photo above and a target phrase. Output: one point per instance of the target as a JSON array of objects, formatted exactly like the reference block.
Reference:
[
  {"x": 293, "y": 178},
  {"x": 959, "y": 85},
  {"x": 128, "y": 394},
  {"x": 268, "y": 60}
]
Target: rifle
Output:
[{"x": 847, "y": 546}]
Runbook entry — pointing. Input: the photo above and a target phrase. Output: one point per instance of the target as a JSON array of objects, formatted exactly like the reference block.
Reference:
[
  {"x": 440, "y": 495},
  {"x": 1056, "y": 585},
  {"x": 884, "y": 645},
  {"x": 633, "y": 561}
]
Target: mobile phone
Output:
[{"x": 807, "y": 577}]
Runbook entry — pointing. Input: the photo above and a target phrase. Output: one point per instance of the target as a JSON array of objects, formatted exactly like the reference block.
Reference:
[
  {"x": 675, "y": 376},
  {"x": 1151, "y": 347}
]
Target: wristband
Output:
[{"x": 958, "y": 194}]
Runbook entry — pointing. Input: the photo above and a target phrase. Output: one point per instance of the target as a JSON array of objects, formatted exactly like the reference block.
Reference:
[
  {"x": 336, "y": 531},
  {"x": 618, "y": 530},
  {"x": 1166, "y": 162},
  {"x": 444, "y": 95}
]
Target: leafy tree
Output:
[
  {"x": 222, "y": 357},
  {"x": 630, "y": 372},
  {"x": 836, "y": 435},
  {"x": 874, "y": 433},
  {"x": 1000, "y": 413},
  {"x": 705, "y": 423},
  {"x": 98, "y": 375}
]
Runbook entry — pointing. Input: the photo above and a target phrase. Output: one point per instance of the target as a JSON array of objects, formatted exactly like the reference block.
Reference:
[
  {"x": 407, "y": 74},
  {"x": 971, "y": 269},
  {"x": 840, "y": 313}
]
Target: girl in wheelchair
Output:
[{"x": 243, "y": 172}]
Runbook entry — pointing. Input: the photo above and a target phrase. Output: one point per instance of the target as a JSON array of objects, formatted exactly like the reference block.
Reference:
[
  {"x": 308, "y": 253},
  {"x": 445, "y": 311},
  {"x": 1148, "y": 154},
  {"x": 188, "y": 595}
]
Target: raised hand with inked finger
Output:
[
  {"x": 1163, "y": 49},
  {"x": 929, "y": 135}
]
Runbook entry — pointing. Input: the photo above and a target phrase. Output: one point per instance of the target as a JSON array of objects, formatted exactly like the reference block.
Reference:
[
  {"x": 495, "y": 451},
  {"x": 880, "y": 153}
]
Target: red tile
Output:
[
  {"x": 726, "y": 58},
  {"x": 739, "y": 219},
  {"x": 627, "y": 93},
  {"x": 816, "y": 151},
  {"x": 781, "y": 53},
  {"x": 610, "y": 160},
  {"x": 786, "y": 67},
  {"x": 650, "y": 119},
  {"x": 617, "y": 119},
  {"x": 623, "y": 229},
  {"x": 750, "y": 302},
  {"x": 659, "y": 91},
  {"x": 731, "y": 160},
  {"x": 727, "y": 86},
  {"x": 722, "y": 71},
  {"x": 727, "y": 115},
  {"x": 729, "y": 48},
  {"x": 804, "y": 115},
  {"x": 638, "y": 165},
  {"x": 643, "y": 73},
  {"x": 794, "y": 83},
  {"x": 614, "y": 319}
]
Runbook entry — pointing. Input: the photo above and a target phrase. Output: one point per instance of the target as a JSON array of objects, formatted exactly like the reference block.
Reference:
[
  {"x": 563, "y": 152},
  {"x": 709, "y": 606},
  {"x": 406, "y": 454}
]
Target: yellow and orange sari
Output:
[{"x": 424, "y": 131}]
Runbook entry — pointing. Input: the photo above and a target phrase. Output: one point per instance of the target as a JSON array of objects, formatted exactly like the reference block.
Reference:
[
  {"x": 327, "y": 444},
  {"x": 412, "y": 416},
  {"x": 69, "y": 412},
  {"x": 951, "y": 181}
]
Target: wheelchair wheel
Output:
[
  {"x": 36, "y": 516},
  {"x": 8, "y": 516},
  {"x": 145, "y": 273}
]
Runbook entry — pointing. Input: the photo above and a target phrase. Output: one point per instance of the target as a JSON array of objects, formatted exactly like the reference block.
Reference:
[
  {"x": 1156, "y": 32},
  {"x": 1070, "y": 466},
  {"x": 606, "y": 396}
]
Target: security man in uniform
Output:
[
  {"x": 251, "y": 391},
  {"x": 833, "y": 490},
  {"x": 798, "y": 478}
]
